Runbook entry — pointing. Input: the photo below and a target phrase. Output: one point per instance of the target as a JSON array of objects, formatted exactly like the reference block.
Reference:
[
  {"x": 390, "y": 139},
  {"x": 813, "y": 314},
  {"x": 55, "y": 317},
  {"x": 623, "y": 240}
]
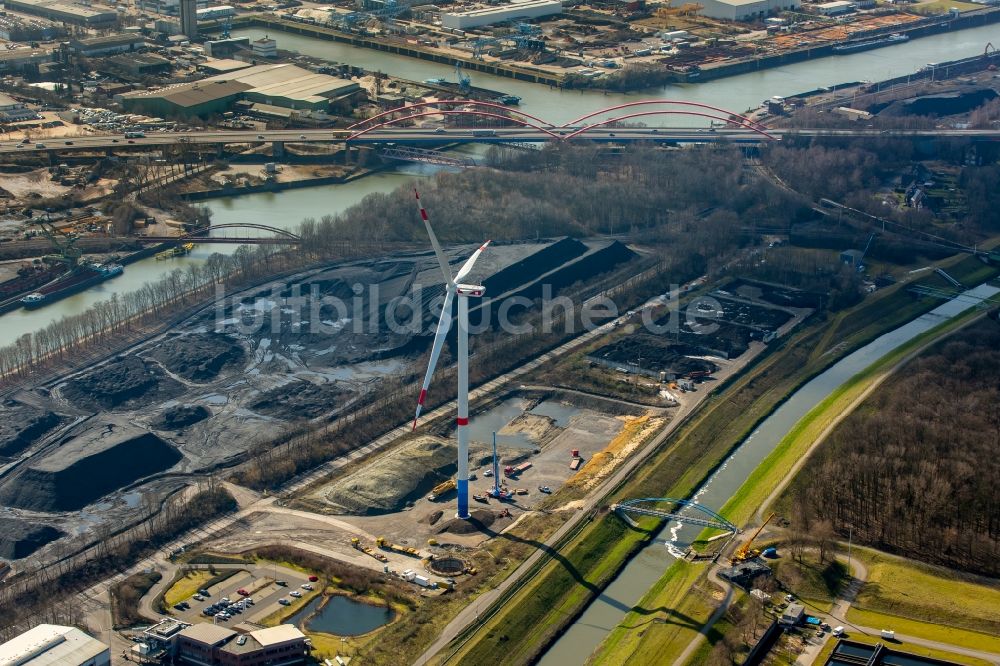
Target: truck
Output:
[
  {"x": 574, "y": 464},
  {"x": 135, "y": 135},
  {"x": 484, "y": 132},
  {"x": 424, "y": 581},
  {"x": 518, "y": 470},
  {"x": 442, "y": 488}
]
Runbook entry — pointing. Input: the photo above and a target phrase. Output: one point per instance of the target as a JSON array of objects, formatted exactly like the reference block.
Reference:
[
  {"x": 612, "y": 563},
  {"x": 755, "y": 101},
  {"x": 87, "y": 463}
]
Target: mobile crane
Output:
[{"x": 745, "y": 552}]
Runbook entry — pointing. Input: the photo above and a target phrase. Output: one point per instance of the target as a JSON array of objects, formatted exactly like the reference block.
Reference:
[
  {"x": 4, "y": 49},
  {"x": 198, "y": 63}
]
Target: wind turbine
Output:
[{"x": 454, "y": 287}]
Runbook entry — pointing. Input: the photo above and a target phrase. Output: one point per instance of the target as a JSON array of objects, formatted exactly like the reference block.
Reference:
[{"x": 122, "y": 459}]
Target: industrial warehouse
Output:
[{"x": 285, "y": 86}]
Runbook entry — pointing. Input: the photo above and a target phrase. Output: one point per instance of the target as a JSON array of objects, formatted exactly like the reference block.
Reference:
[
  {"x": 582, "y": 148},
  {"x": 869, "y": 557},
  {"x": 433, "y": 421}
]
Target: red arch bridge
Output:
[{"x": 466, "y": 121}]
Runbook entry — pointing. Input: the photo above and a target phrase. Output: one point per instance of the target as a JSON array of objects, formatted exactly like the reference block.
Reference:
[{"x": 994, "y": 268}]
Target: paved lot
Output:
[{"x": 260, "y": 581}]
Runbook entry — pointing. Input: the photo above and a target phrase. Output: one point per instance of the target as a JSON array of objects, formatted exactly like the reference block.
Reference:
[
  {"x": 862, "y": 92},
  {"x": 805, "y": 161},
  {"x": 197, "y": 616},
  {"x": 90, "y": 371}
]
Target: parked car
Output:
[
  {"x": 295, "y": 593},
  {"x": 284, "y": 602},
  {"x": 306, "y": 586},
  {"x": 313, "y": 579},
  {"x": 242, "y": 592},
  {"x": 282, "y": 583}
]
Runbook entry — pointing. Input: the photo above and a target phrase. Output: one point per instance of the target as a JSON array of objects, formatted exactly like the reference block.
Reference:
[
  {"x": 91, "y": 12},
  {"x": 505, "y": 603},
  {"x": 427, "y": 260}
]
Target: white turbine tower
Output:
[{"x": 464, "y": 292}]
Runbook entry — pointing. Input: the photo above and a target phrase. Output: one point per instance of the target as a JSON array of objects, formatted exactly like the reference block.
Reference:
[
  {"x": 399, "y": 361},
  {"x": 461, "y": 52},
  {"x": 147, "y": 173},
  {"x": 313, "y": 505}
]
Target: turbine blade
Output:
[
  {"x": 442, "y": 260},
  {"x": 467, "y": 267},
  {"x": 444, "y": 323}
]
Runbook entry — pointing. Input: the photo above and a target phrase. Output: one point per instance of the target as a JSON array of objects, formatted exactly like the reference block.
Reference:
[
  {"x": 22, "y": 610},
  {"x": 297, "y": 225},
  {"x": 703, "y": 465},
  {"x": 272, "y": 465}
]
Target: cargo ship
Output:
[
  {"x": 83, "y": 277},
  {"x": 854, "y": 47}
]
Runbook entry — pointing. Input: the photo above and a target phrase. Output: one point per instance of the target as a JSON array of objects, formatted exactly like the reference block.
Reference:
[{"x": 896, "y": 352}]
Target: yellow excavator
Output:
[{"x": 746, "y": 552}]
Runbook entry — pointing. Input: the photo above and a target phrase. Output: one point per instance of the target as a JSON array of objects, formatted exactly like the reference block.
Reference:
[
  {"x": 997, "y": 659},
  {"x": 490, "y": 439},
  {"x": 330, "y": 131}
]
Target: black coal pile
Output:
[
  {"x": 181, "y": 416},
  {"x": 21, "y": 426},
  {"x": 199, "y": 357},
  {"x": 299, "y": 399},
  {"x": 21, "y": 538},
  {"x": 97, "y": 461},
  {"x": 127, "y": 383}
]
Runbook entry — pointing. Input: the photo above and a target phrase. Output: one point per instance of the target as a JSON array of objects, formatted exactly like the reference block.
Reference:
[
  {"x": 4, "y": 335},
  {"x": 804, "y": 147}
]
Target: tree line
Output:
[{"x": 914, "y": 470}]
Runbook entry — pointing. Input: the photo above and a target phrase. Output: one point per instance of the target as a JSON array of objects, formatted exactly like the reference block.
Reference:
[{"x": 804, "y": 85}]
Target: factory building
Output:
[
  {"x": 265, "y": 47},
  {"x": 215, "y": 13},
  {"x": 520, "y": 9},
  {"x": 12, "y": 111},
  {"x": 110, "y": 45},
  {"x": 52, "y": 645},
  {"x": 745, "y": 10},
  {"x": 16, "y": 29},
  {"x": 285, "y": 86},
  {"x": 16, "y": 60},
  {"x": 65, "y": 11}
]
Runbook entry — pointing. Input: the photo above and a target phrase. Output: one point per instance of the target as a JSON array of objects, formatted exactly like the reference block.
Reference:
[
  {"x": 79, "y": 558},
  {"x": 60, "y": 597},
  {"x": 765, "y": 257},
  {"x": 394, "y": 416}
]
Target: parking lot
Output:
[{"x": 261, "y": 582}]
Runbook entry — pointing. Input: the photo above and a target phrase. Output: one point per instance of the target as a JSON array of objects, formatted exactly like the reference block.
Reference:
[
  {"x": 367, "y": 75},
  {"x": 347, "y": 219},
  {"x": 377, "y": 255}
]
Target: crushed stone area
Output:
[
  {"x": 199, "y": 358},
  {"x": 301, "y": 399}
]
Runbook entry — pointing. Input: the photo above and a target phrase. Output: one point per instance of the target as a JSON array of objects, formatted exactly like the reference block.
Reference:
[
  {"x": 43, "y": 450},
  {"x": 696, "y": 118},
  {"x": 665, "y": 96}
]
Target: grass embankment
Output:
[
  {"x": 814, "y": 582},
  {"x": 775, "y": 467},
  {"x": 565, "y": 584},
  {"x": 686, "y": 600},
  {"x": 931, "y": 602},
  {"x": 187, "y": 585}
]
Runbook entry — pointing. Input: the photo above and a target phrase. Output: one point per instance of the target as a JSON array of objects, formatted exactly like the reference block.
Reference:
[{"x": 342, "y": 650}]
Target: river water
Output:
[
  {"x": 604, "y": 614},
  {"x": 288, "y": 208}
]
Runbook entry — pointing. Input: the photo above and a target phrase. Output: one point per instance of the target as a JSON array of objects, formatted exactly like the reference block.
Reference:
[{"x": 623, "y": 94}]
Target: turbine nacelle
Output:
[{"x": 470, "y": 290}]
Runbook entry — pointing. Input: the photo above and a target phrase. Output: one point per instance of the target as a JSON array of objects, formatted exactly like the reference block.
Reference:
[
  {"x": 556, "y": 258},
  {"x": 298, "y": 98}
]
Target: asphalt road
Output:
[{"x": 465, "y": 135}]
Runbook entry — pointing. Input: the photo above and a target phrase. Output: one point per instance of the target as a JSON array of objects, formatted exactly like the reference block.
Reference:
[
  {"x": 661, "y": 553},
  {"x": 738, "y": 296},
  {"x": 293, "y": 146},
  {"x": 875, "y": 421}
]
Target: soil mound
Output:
[
  {"x": 479, "y": 521},
  {"x": 181, "y": 416},
  {"x": 20, "y": 538},
  {"x": 21, "y": 426},
  {"x": 199, "y": 358},
  {"x": 128, "y": 382},
  {"x": 299, "y": 399},
  {"x": 87, "y": 467},
  {"x": 389, "y": 482}
]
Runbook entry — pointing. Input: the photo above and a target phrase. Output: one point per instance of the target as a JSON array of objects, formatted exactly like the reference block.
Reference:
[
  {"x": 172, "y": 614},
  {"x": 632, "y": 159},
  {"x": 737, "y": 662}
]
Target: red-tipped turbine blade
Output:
[{"x": 444, "y": 323}]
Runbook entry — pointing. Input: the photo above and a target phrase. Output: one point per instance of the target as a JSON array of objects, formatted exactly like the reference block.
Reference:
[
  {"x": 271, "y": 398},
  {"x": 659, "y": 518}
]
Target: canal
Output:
[
  {"x": 286, "y": 209},
  {"x": 604, "y": 614}
]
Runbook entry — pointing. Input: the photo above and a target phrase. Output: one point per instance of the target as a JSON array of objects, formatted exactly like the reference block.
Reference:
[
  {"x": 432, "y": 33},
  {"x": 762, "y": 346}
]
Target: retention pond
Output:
[
  {"x": 604, "y": 614},
  {"x": 341, "y": 616}
]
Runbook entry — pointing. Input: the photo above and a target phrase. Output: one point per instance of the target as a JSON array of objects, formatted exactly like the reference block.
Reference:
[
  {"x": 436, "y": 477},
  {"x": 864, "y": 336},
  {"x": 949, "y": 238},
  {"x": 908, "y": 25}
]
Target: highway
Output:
[{"x": 431, "y": 135}]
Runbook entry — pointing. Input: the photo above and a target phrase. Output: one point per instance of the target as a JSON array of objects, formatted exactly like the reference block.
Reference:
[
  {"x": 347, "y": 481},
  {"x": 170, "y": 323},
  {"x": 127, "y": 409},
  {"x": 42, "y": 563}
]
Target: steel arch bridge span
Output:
[
  {"x": 746, "y": 122},
  {"x": 449, "y": 112},
  {"x": 464, "y": 102},
  {"x": 653, "y": 506},
  {"x": 278, "y": 236},
  {"x": 640, "y": 114}
]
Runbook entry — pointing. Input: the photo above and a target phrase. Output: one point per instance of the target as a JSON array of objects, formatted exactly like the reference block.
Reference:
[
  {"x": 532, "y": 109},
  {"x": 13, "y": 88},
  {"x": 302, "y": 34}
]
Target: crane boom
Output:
[{"x": 744, "y": 552}]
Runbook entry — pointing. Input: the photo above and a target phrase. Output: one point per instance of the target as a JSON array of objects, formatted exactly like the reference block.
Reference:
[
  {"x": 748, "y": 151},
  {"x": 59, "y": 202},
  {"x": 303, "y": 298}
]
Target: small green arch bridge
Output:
[{"x": 671, "y": 508}]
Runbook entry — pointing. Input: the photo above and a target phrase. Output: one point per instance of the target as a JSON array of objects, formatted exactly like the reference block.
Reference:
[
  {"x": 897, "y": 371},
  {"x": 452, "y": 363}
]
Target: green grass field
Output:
[
  {"x": 926, "y": 594},
  {"x": 902, "y": 646}
]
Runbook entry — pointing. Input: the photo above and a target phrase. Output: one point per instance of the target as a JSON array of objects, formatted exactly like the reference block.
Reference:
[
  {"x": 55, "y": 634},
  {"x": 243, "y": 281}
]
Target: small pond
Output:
[{"x": 341, "y": 616}]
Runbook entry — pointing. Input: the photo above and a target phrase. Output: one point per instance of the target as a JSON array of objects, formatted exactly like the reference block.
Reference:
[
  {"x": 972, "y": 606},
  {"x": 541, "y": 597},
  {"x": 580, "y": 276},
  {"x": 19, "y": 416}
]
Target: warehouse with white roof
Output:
[
  {"x": 519, "y": 9},
  {"x": 745, "y": 10},
  {"x": 54, "y": 645}
]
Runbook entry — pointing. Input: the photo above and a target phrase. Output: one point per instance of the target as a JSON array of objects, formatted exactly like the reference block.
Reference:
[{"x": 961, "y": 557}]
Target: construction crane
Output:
[
  {"x": 68, "y": 253},
  {"x": 864, "y": 253},
  {"x": 745, "y": 552},
  {"x": 464, "y": 82}
]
